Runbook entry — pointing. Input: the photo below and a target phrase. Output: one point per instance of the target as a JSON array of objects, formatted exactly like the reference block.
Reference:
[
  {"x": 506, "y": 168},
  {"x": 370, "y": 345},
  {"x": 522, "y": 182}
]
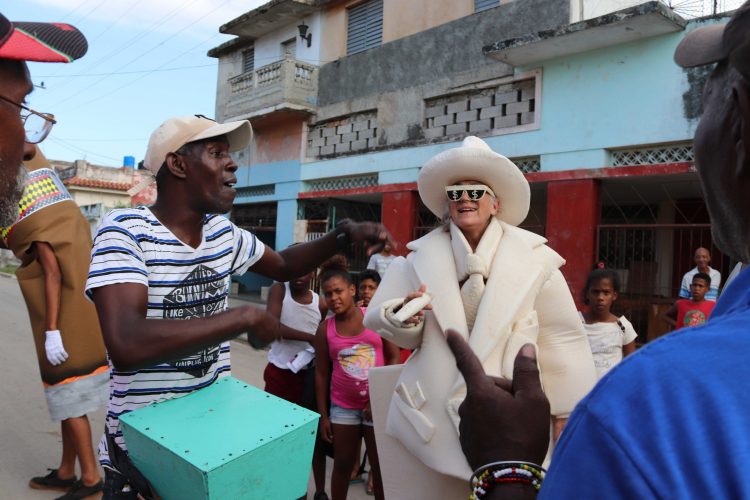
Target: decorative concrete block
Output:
[
  {"x": 365, "y": 134},
  {"x": 327, "y": 150},
  {"x": 480, "y": 125},
  {"x": 360, "y": 125},
  {"x": 456, "y": 107},
  {"x": 434, "y": 111},
  {"x": 467, "y": 116},
  {"x": 351, "y": 136},
  {"x": 506, "y": 97},
  {"x": 458, "y": 128},
  {"x": 434, "y": 132},
  {"x": 344, "y": 147},
  {"x": 360, "y": 144},
  {"x": 229, "y": 440},
  {"x": 373, "y": 123},
  {"x": 333, "y": 140},
  {"x": 513, "y": 108},
  {"x": 318, "y": 142},
  {"x": 439, "y": 121},
  {"x": 329, "y": 131},
  {"x": 490, "y": 112},
  {"x": 528, "y": 93},
  {"x": 527, "y": 118},
  {"x": 481, "y": 102},
  {"x": 344, "y": 129},
  {"x": 506, "y": 121}
]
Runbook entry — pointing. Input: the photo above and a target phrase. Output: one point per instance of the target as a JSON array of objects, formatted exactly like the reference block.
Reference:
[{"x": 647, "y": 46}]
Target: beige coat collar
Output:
[{"x": 513, "y": 273}]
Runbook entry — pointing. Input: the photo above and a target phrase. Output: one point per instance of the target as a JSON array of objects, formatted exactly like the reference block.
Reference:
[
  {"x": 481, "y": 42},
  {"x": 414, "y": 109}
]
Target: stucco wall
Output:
[
  {"x": 279, "y": 141},
  {"x": 395, "y": 78},
  {"x": 449, "y": 49},
  {"x": 627, "y": 95}
]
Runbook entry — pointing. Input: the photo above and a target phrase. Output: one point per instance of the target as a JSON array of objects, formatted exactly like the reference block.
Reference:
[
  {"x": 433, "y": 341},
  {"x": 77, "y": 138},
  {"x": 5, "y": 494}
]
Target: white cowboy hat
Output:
[{"x": 475, "y": 161}]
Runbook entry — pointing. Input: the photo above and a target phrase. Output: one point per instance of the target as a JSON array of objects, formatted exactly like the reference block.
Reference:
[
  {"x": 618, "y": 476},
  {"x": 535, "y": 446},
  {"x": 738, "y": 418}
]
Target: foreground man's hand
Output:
[{"x": 501, "y": 420}]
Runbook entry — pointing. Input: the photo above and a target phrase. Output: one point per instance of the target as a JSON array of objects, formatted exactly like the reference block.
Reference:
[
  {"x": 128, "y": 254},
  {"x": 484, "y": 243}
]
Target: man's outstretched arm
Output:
[
  {"x": 300, "y": 259},
  {"x": 135, "y": 342}
]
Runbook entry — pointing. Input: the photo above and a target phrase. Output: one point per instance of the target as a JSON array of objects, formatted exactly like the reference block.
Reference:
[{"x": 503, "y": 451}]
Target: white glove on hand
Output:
[{"x": 53, "y": 345}]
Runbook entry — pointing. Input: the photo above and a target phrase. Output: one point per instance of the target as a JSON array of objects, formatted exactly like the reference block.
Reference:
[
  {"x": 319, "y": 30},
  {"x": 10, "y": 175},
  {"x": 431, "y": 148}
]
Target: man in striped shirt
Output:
[{"x": 159, "y": 277}]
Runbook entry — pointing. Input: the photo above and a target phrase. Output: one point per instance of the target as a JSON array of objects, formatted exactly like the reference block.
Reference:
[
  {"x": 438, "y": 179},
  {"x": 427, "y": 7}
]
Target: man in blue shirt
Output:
[{"x": 670, "y": 421}]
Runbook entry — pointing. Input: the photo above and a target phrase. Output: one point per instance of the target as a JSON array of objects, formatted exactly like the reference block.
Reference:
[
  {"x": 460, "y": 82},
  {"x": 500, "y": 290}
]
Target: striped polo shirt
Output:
[{"x": 132, "y": 246}]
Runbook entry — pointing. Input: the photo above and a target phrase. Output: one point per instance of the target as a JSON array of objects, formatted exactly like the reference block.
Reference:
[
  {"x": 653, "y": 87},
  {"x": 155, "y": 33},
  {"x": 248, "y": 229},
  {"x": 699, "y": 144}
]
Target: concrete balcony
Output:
[{"x": 288, "y": 84}]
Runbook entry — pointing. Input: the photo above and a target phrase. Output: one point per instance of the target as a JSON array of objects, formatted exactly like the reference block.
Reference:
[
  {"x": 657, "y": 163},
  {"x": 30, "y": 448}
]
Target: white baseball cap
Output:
[{"x": 178, "y": 131}]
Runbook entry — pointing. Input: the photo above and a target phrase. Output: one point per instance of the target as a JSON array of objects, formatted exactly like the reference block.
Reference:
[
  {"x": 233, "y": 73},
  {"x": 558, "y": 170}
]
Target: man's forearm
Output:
[
  {"x": 301, "y": 259},
  {"x": 139, "y": 342}
]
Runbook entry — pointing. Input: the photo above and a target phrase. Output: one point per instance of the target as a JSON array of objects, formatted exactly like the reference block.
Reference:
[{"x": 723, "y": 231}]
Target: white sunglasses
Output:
[{"x": 473, "y": 191}]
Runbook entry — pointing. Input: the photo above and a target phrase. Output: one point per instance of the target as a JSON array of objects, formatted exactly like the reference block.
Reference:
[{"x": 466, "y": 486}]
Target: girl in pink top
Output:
[{"x": 342, "y": 342}]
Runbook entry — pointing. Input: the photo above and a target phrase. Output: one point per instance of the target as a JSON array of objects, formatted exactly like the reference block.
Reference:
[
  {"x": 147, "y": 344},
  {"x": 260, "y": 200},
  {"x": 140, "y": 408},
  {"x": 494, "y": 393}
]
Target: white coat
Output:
[{"x": 526, "y": 299}]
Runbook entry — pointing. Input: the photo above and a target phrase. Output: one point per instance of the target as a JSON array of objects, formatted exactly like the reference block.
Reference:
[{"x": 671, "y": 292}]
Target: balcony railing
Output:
[{"x": 288, "y": 81}]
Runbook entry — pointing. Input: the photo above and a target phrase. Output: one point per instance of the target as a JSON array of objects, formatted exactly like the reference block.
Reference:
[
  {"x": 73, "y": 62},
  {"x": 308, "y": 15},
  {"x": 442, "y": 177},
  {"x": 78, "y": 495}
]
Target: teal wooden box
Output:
[{"x": 228, "y": 441}]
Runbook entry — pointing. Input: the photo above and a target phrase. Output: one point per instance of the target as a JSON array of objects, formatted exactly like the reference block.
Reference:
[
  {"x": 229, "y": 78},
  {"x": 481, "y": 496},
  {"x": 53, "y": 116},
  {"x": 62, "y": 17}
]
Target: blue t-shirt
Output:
[{"x": 670, "y": 421}]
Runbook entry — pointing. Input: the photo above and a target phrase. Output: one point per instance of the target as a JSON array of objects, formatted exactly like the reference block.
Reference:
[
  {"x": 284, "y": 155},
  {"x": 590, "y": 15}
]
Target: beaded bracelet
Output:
[{"x": 487, "y": 476}]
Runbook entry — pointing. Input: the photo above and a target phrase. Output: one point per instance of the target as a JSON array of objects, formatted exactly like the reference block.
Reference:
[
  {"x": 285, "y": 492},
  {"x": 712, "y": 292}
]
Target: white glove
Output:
[{"x": 53, "y": 345}]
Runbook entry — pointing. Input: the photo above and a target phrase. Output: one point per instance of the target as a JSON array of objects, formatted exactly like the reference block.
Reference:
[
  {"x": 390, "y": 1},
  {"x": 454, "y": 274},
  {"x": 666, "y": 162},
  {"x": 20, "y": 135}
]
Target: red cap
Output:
[{"x": 43, "y": 42}]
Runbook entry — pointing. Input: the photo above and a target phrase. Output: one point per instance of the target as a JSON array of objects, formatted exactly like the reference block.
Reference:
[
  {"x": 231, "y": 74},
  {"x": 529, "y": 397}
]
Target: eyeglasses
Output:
[
  {"x": 473, "y": 191},
  {"x": 36, "y": 125}
]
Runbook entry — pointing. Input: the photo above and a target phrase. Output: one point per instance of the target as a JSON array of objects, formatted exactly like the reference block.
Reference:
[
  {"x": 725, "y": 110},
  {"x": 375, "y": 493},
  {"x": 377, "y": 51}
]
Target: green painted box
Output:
[{"x": 228, "y": 441}]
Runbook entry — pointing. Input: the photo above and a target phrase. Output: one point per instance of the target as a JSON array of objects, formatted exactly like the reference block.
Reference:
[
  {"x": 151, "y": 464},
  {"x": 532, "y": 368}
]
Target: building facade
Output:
[{"x": 582, "y": 95}]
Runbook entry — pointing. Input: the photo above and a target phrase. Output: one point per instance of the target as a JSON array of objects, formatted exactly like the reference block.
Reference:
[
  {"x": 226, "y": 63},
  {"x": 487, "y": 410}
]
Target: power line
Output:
[
  {"x": 103, "y": 140},
  {"x": 80, "y": 151},
  {"x": 107, "y": 94},
  {"x": 131, "y": 41}
]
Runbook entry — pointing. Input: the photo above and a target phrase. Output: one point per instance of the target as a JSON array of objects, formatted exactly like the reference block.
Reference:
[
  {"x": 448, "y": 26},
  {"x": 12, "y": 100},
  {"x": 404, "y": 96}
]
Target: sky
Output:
[{"x": 146, "y": 62}]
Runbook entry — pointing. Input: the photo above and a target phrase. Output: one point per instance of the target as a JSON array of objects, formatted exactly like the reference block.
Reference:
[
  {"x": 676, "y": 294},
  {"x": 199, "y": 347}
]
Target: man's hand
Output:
[
  {"x": 373, "y": 235},
  {"x": 53, "y": 345},
  {"x": 501, "y": 420}
]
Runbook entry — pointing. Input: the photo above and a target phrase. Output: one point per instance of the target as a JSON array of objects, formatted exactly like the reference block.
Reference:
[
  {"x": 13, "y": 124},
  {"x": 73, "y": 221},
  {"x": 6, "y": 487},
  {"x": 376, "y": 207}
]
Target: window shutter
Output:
[
  {"x": 480, "y": 5},
  {"x": 365, "y": 28},
  {"x": 248, "y": 60}
]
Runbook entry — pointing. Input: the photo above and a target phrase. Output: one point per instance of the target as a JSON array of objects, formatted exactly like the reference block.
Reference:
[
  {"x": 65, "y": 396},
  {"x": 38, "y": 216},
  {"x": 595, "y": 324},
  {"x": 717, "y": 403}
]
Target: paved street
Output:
[{"x": 29, "y": 441}]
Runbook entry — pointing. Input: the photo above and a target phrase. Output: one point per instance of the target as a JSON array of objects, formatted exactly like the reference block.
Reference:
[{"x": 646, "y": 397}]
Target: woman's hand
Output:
[
  {"x": 417, "y": 318},
  {"x": 326, "y": 433}
]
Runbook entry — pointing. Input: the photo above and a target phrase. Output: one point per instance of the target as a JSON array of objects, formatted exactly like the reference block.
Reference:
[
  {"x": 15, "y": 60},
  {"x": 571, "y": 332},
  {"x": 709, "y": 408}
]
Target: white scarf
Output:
[{"x": 474, "y": 266}]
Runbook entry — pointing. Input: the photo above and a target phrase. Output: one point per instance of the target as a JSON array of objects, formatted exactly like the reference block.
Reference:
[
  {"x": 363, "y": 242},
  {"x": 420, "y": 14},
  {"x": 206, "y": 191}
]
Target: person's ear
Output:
[
  {"x": 495, "y": 206},
  {"x": 176, "y": 165}
]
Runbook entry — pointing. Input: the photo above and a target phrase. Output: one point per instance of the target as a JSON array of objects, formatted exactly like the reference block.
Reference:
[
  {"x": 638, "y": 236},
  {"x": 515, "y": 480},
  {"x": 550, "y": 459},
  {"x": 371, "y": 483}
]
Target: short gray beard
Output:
[{"x": 9, "y": 204}]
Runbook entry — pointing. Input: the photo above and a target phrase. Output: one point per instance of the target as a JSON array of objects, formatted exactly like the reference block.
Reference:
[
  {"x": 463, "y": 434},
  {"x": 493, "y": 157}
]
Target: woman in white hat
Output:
[{"x": 497, "y": 285}]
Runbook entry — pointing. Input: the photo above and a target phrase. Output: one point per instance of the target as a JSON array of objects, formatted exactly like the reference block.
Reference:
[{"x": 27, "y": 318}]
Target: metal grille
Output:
[
  {"x": 650, "y": 260},
  {"x": 528, "y": 164},
  {"x": 263, "y": 190},
  {"x": 674, "y": 153},
  {"x": 258, "y": 216},
  {"x": 248, "y": 60},
  {"x": 338, "y": 183},
  {"x": 365, "y": 28},
  {"x": 480, "y": 5},
  {"x": 698, "y": 8}
]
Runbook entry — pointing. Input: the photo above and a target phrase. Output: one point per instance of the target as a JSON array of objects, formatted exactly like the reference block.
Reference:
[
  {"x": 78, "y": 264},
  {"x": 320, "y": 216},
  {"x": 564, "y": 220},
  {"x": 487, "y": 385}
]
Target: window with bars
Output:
[
  {"x": 480, "y": 5},
  {"x": 248, "y": 60},
  {"x": 365, "y": 26}
]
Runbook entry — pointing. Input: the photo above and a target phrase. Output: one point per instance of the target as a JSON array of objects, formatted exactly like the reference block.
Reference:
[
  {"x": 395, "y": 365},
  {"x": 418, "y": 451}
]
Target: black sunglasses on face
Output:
[{"x": 473, "y": 191}]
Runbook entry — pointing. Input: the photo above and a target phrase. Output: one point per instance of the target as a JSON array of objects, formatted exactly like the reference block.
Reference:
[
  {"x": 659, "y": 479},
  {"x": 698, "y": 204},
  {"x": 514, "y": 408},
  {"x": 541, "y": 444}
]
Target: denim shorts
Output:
[{"x": 347, "y": 416}]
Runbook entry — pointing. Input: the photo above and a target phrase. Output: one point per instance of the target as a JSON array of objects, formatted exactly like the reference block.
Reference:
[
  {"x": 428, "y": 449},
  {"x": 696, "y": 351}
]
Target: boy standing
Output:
[{"x": 694, "y": 311}]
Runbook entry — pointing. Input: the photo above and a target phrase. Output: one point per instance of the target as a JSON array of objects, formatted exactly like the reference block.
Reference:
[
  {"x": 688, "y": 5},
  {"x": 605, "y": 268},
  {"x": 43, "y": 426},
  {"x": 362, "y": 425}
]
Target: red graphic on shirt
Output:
[{"x": 694, "y": 317}]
